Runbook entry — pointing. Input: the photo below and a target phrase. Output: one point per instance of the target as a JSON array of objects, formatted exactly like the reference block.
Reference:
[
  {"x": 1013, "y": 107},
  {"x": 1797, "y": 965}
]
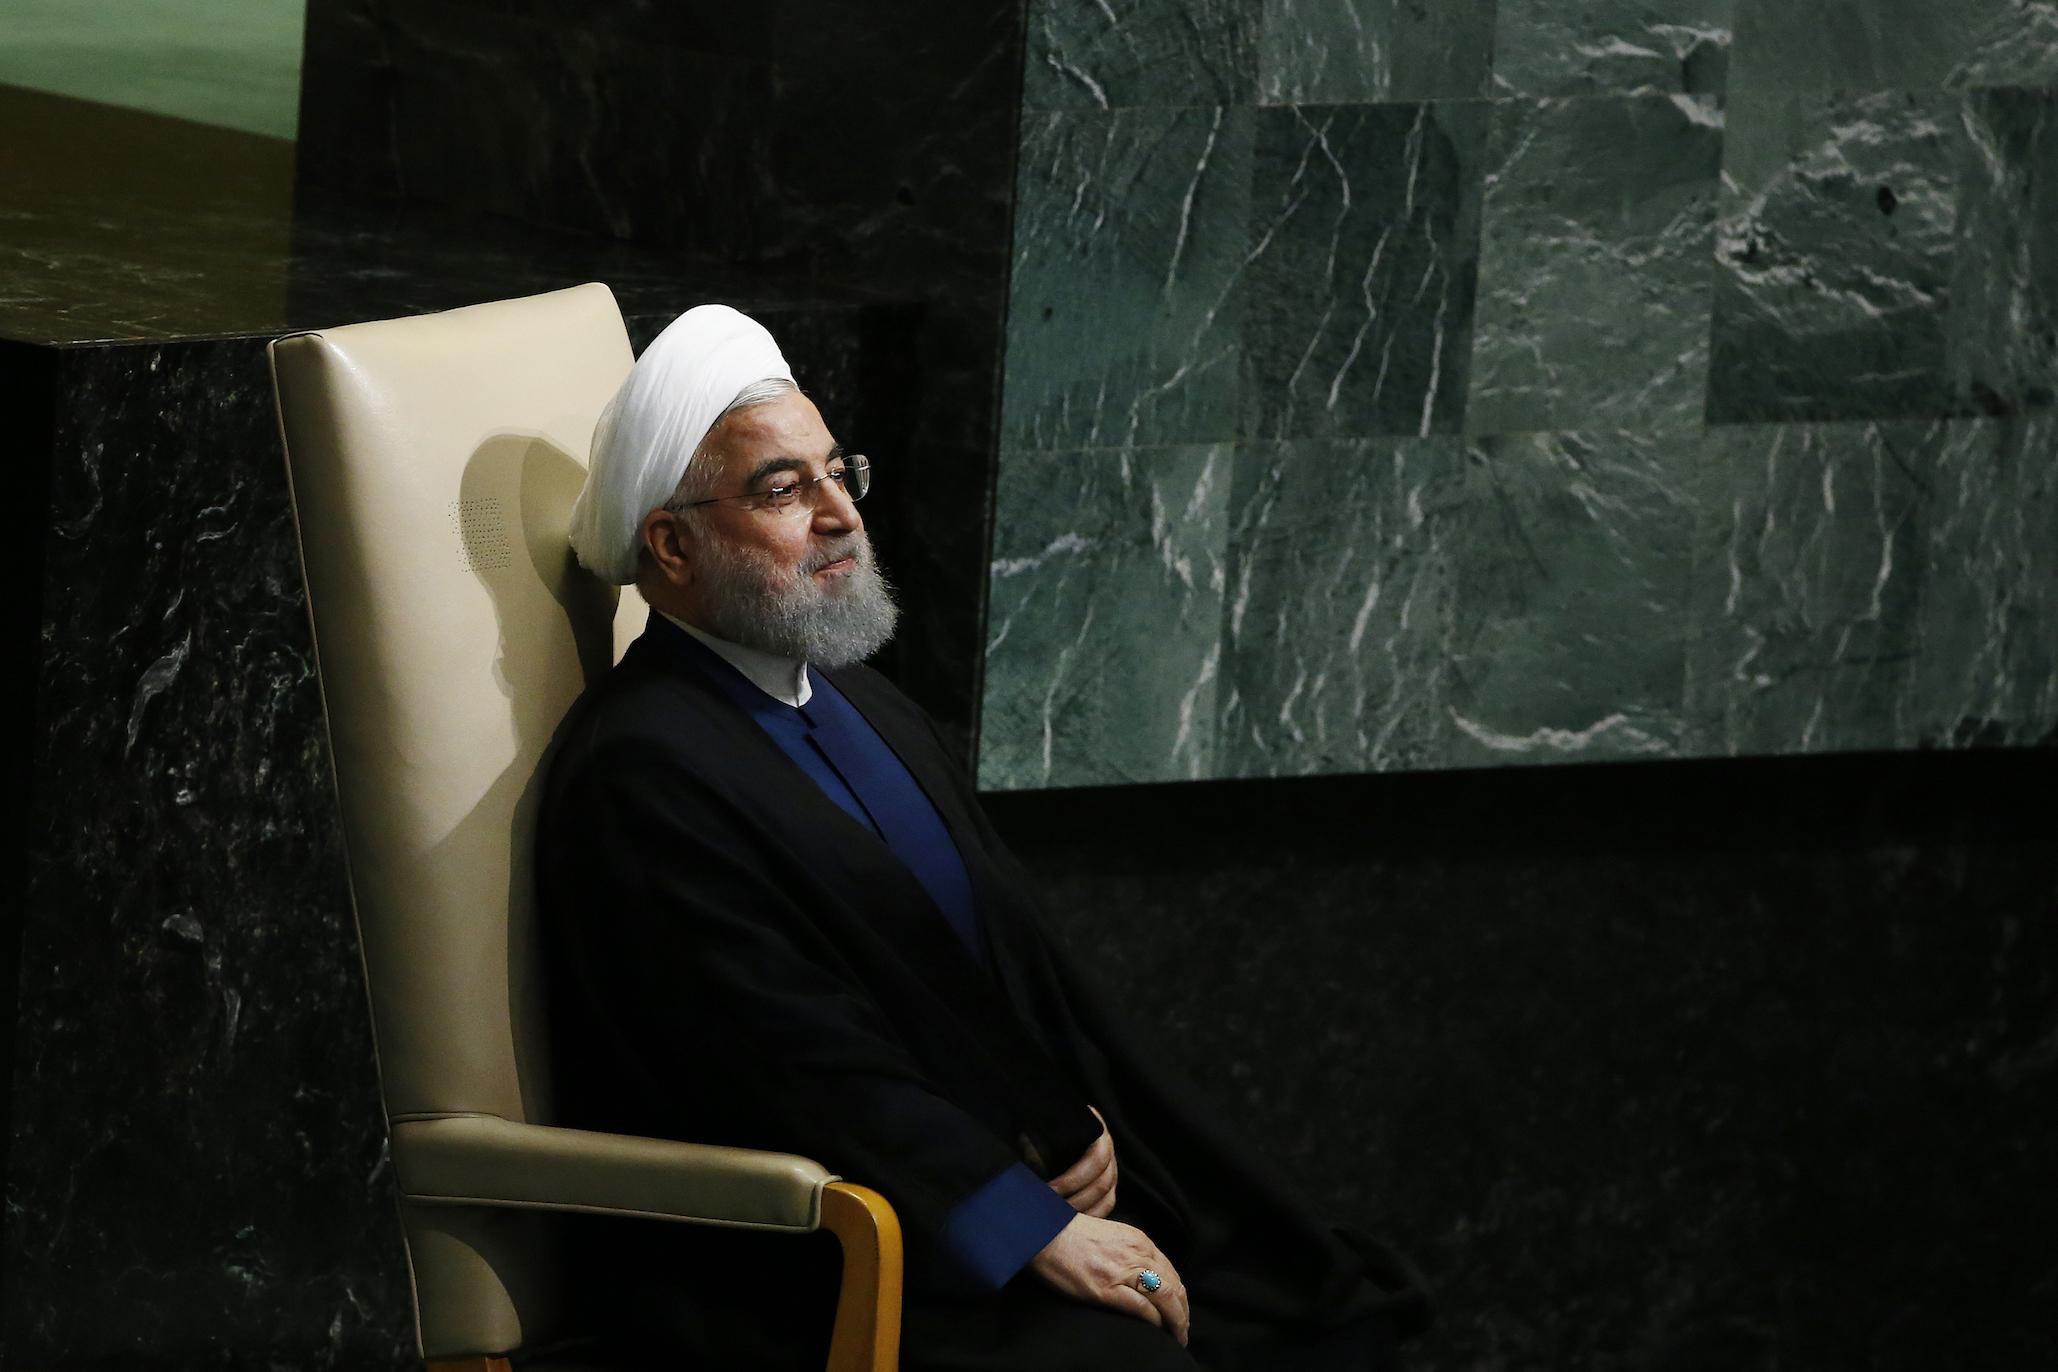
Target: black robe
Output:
[{"x": 734, "y": 959}]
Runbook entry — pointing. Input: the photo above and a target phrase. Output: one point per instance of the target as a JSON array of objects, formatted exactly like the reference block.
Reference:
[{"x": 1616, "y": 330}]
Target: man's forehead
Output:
[{"x": 789, "y": 426}]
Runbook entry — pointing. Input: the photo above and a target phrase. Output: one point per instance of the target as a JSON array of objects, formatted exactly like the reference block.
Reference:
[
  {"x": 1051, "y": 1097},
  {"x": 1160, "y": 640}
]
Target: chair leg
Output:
[
  {"x": 477, "y": 1364},
  {"x": 867, "y": 1334}
]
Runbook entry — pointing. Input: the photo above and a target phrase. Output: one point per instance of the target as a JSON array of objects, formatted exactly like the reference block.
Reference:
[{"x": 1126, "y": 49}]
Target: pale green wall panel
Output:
[{"x": 231, "y": 63}]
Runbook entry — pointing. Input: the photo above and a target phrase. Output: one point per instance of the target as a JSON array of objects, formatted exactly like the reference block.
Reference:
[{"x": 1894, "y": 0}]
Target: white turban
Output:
[{"x": 647, "y": 435}]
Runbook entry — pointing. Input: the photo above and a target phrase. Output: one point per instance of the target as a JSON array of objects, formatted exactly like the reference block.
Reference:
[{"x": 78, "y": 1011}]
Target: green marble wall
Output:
[{"x": 1404, "y": 386}]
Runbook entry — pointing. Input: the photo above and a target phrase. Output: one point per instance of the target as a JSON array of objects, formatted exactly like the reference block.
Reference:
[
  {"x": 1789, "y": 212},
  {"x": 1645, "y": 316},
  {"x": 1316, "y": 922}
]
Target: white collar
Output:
[{"x": 781, "y": 678}]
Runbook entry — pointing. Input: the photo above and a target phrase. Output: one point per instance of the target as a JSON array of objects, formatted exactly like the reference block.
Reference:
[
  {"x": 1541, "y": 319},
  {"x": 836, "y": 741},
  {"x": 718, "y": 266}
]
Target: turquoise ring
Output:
[{"x": 1148, "y": 1282}]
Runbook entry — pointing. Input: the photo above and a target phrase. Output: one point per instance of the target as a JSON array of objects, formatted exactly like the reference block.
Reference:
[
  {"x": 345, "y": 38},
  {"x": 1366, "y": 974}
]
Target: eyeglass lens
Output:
[{"x": 855, "y": 478}]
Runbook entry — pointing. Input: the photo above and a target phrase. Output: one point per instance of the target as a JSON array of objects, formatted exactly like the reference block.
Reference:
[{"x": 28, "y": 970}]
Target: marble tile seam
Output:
[
  {"x": 1720, "y": 99},
  {"x": 1694, "y": 430},
  {"x": 1733, "y": 98},
  {"x": 1501, "y": 90},
  {"x": 166, "y": 338},
  {"x": 1116, "y": 450},
  {"x": 1504, "y": 97},
  {"x": 1856, "y": 89},
  {"x": 1331, "y": 441},
  {"x": 1290, "y": 104},
  {"x": 1722, "y": 103},
  {"x": 1684, "y": 432}
]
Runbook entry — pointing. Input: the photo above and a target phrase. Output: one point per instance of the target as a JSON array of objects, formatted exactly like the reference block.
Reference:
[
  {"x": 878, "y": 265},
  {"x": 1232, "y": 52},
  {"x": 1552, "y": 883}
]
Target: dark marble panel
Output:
[
  {"x": 1877, "y": 586},
  {"x": 1336, "y": 633},
  {"x": 1117, "y": 53},
  {"x": 1547, "y": 47},
  {"x": 879, "y": 193},
  {"x": 1363, "y": 252},
  {"x": 1103, "y": 638},
  {"x": 797, "y": 132},
  {"x": 115, "y": 216},
  {"x": 334, "y": 263},
  {"x": 1593, "y": 264},
  {"x": 196, "y": 1174},
  {"x": 829, "y": 158},
  {"x": 152, "y": 270},
  {"x": 873, "y": 192},
  {"x": 28, "y": 414},
  {"x": 1835, "y": 258},
  {"x": 2001, "y": 348},
  {"x": 1700, "y": 1065},
  {"x": 802, "y": 135},
  {"x": 513, "y": 110},
  {"x": 1573, "y": 557},
  {"x": 1127, "y": 297},
  {"x": 1871, "y": 45},
  {"x": 1342, "y": 51}
]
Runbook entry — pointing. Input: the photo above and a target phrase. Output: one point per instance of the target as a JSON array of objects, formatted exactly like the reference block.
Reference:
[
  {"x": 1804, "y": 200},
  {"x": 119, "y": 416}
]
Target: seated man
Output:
[{"x": 779, "y": 919}]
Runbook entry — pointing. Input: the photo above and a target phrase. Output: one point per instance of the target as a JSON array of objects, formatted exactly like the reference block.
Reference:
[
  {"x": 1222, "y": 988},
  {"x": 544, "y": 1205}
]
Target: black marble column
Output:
[
  {"x": 27, "y": 393},
  {"x": 197, "y": 1167}
]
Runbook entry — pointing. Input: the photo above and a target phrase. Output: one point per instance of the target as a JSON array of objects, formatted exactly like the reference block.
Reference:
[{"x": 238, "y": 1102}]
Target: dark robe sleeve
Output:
[{"x": 696, "y": 959}]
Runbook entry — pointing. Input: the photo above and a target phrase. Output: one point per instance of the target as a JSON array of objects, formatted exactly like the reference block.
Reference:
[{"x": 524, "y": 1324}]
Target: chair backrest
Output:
[{"x": 434, "y": 462}]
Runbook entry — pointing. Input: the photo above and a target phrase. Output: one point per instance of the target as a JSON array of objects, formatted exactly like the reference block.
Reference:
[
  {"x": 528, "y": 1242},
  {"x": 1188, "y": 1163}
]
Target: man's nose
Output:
[{"x": 835, "y": 511}]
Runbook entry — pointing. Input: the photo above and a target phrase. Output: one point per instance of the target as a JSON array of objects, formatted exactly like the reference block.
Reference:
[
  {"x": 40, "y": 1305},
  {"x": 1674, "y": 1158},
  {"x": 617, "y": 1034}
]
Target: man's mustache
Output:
[{"x": 852, "y": 546}]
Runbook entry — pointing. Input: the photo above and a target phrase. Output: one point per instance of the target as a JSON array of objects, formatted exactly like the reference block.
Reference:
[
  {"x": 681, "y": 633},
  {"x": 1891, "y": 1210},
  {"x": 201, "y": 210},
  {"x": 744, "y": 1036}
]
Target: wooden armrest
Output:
[{"x": 867, "y": 1335}]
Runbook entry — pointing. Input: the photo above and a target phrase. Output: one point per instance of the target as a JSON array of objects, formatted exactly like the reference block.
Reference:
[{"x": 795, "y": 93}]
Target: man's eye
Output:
[{"x": 782, "y": 495}]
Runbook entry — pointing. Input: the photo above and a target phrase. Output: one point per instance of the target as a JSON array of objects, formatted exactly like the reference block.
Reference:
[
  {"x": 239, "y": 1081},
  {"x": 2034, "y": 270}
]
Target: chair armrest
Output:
[{"x": 486, "y": 1160}]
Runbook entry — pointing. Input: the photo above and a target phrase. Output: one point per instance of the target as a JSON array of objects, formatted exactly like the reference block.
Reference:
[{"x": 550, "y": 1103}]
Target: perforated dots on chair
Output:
[{"x": 482, "y": 541}]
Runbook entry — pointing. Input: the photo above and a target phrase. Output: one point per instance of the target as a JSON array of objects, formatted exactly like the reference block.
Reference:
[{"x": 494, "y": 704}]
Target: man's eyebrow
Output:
[{"x": 773, "y": 465}]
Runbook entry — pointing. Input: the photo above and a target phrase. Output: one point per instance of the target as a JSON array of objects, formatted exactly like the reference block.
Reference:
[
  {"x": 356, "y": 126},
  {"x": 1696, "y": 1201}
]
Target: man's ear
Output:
[{"x": 667, "y": 547}]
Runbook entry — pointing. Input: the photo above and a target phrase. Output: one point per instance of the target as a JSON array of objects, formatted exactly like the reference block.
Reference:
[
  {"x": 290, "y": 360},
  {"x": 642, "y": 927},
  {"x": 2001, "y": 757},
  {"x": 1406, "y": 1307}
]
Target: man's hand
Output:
[
  {"x": 1089, "y": 1184},
  {"x": 1096, "y": 1261}
]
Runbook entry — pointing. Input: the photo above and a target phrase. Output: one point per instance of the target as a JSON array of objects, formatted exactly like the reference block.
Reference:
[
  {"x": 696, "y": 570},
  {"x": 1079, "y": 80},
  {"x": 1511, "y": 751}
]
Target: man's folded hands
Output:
[{"x": 1089, "y": 1184}]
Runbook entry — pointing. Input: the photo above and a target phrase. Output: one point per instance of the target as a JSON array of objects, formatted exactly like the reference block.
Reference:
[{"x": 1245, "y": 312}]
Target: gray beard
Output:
[{"x": 784, "y": 611}]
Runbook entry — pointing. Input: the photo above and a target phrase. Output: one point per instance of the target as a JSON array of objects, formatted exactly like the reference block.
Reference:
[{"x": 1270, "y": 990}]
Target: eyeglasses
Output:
[{"x": 854, "y": 476}]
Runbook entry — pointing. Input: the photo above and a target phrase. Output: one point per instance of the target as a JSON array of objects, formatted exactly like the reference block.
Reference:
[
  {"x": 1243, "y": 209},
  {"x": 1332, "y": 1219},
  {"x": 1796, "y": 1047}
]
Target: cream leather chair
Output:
[{"x": 433, "y": 464}]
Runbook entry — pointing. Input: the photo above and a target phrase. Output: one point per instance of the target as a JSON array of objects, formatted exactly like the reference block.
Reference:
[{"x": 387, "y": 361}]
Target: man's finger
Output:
[
  {"x": 1089, "y": 1195},
  {"x": 1130, "y": 1301},
  {"x": 1091, "y": 1164},
  {"x": 1103, "y": 1207},
  {"x": 1170, "y": 1304},
  {"x": 1182, "y": 1315},
  {"x": 1171, "y": 1296}
]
